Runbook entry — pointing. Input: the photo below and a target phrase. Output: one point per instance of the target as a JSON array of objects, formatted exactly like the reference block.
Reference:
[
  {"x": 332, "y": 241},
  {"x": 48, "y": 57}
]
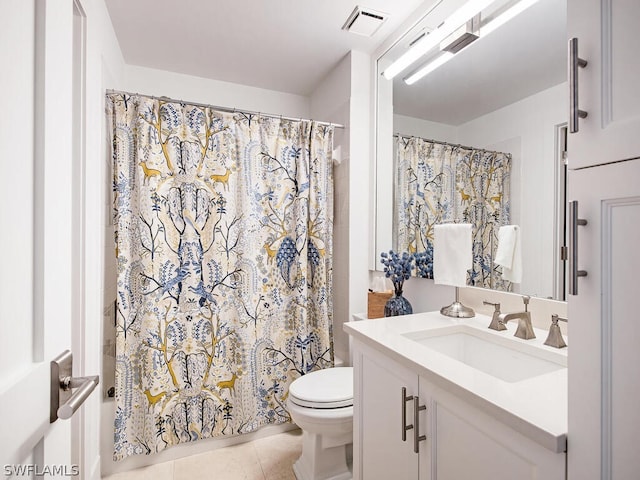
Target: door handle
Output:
[
  {"x": 64, "y": 402},
  {"x": 574, "y": 223},
  {"x": 405, "y": 427},
  {"x": 417, "y": 438},
  {"x": 575, "y": 62}
]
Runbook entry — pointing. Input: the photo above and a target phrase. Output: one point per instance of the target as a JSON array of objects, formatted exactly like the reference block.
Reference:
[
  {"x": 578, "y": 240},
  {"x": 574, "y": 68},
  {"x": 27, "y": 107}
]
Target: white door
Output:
[
  {"x": 607, "y": 33},
  {"x": 378, "y": 450},
  {"x": 604, "y": 358},
  {"x": 36, "y": 228}
]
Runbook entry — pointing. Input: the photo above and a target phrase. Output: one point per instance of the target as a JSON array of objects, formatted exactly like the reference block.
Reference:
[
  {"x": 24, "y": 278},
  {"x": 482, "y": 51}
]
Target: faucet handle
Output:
[
  {"x": 495, "y": 324},
  {"x": 554, "y": 339},
  {"x": 525, "y": 299},
  {"x": 496, "y": 305},
  {"x": 555, "y": 318}
]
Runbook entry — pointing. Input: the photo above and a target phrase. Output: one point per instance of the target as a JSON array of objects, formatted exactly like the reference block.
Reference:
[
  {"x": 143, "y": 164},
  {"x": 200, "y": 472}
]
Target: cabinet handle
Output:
[
  {"x": 574, "y": 222},
  {"x": 405, "y": 427},
  {"x": 417, "y": 438},
  {"x": 575, "y": 62}
]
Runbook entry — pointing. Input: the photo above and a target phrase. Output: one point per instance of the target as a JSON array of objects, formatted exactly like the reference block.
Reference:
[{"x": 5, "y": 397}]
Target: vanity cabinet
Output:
[
  {"x": 461, "y": 440},
  {"x": 607, "y": 87}
]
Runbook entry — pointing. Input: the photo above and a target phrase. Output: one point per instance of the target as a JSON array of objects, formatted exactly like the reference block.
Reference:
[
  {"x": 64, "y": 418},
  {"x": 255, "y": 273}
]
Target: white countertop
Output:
[{"x": 535, "y": 407}]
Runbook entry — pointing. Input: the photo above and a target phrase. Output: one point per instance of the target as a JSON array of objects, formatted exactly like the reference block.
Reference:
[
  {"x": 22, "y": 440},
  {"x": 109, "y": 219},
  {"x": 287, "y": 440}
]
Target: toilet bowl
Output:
[{"x": 321, "y": 404}]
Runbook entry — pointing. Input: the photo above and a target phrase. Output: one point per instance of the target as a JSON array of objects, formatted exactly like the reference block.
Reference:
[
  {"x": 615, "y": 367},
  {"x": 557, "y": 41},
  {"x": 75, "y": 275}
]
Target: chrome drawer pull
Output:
[
  {"x": 574, "y": 223},
  {"x": 405, "y": 427},
  {"x": 417, "y": 438},
  {"x": 575, "y": 62}
]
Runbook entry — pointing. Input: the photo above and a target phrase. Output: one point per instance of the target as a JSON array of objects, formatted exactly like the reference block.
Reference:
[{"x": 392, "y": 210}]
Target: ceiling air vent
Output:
[{"x": 364, "y": 21}]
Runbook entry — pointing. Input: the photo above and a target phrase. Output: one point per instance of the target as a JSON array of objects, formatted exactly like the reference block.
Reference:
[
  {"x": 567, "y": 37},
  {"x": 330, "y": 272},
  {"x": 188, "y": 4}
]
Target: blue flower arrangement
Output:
[
  {"x": 397, "y": 267},
  {"x": 424, "y": 262}
]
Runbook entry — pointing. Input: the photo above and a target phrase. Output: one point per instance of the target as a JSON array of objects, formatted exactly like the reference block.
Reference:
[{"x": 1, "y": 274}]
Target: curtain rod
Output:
[
  {"x": 400, "y": 135},
  {"x": 223, "y": 109}
]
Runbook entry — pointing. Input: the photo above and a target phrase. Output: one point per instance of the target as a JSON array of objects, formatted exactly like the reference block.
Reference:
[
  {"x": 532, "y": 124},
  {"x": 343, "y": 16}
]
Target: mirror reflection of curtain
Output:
[
  {"x": 440, "y": 183},
  {"x": 224, "y": 246}
]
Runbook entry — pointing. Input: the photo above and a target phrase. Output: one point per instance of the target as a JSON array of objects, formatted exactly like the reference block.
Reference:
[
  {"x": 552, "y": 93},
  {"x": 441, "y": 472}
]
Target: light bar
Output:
[
  {"x": 504, "y": 17},
  {"x": 450, "y": 25},
  {"x": 485, "y": 30}
]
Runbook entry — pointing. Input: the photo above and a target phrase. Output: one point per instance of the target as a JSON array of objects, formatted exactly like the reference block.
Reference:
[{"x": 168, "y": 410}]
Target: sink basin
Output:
[{"x": 500, "y": 357}]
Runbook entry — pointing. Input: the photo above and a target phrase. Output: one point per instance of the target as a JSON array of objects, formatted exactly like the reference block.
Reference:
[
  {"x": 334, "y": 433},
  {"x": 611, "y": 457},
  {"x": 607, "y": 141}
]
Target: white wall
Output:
[
  {"x": 418, "y": 127},
  {"x": 360, "y": 185},
  {"x": 343, "y": 97},
  {"x": 331, "y": 102},
  {"x": 104, "y": 69},
  {"x": 178, "y": 86}
]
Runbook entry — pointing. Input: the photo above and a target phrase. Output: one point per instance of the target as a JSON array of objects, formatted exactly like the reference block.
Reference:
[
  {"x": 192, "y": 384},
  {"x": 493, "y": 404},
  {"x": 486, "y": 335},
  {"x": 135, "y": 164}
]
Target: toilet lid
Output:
[{"x": 329, "y": 388}]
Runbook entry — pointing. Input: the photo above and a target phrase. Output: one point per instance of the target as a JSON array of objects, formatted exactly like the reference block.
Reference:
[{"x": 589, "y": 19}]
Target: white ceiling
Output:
[
  {"x": 523, "y": 57},
  {"x": 283, "y": 45}
]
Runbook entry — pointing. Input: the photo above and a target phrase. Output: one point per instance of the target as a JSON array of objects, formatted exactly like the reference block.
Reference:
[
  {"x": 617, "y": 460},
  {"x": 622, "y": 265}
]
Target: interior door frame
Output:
[{"x": 78, "y": 338}]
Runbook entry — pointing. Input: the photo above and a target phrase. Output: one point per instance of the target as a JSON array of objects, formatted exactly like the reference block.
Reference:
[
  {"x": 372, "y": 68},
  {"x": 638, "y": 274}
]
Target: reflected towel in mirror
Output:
[
  {"x": 508, "y": 253},
  {"x": 452, "y": 255}
]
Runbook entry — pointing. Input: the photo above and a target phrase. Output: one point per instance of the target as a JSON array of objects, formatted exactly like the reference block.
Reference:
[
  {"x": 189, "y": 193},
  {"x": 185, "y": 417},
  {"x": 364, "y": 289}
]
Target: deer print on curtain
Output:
[
  {"x": 441, "y": 183},
  {"x": 223, "y": 243}
]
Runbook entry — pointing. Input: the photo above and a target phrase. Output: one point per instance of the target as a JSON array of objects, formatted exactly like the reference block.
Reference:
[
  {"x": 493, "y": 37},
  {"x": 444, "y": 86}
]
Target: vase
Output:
[{"x": 397, "y": 304}]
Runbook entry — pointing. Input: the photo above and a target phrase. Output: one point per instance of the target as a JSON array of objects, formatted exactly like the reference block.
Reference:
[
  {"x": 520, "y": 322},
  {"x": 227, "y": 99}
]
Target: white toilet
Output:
[{"x": 321, "y": 404}]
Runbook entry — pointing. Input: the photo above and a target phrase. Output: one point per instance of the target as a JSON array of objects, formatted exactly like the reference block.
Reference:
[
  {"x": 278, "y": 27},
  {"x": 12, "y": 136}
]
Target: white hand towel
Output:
[
  {"x": 508, "y": 253},
  {"x": 452, "y": 255}
]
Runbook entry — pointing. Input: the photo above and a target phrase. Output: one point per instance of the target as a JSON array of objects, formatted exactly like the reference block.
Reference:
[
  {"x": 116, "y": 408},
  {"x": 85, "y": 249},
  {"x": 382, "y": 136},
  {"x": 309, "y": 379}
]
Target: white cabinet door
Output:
[
  {"x": 608, "y": 40},
  {"x": 36, "y": 232},
  {"x": 604, "y": 363},
  {"x": 378, "y": 450},
  {"x": 467, "y": 443}
]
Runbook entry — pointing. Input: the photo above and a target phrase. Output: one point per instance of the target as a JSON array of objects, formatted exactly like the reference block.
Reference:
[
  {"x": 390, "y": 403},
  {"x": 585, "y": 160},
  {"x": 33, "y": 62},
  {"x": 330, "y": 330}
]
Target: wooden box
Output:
[{"x": 376, "y": 303}]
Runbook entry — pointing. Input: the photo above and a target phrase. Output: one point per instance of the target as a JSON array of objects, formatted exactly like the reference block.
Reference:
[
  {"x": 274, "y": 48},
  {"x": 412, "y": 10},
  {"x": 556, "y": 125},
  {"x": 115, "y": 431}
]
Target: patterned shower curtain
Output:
[
  {"x": 441, "y": 183},
  {"x": 223, "y": 225}
]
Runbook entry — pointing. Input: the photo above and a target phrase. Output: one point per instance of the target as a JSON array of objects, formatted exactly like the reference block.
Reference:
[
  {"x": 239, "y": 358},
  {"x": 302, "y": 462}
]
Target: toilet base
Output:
[{"x": 321, "y": 462}]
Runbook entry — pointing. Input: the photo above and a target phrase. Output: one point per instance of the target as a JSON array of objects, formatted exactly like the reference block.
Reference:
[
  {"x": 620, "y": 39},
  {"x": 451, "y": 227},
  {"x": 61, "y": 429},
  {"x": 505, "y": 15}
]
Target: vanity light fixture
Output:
[
  {"x": 450, "y": 25},
  {"x": 485, "y": 30},
  {"x": 505, "y": 16}
]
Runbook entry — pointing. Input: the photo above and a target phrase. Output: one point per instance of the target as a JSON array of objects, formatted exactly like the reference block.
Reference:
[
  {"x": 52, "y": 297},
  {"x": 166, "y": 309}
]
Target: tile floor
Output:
[{"x": 268, "y": 458}]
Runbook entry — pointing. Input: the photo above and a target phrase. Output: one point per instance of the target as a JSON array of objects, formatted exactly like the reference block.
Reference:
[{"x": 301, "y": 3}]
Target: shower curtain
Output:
[
  {"x": 223, "y": 228},
  {"x": 440, "y": 183}
]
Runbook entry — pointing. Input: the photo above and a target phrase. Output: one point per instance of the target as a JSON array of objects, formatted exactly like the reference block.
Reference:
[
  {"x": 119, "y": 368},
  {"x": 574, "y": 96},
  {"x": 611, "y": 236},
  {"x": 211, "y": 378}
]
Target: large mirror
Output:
[{"x": 499, "y": 101}]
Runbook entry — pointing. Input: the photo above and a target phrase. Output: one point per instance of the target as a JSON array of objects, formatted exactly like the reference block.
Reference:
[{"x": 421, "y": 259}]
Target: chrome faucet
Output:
[
  {"x": 495, "y": 324},
  {"x": 525, "y": 329}
]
